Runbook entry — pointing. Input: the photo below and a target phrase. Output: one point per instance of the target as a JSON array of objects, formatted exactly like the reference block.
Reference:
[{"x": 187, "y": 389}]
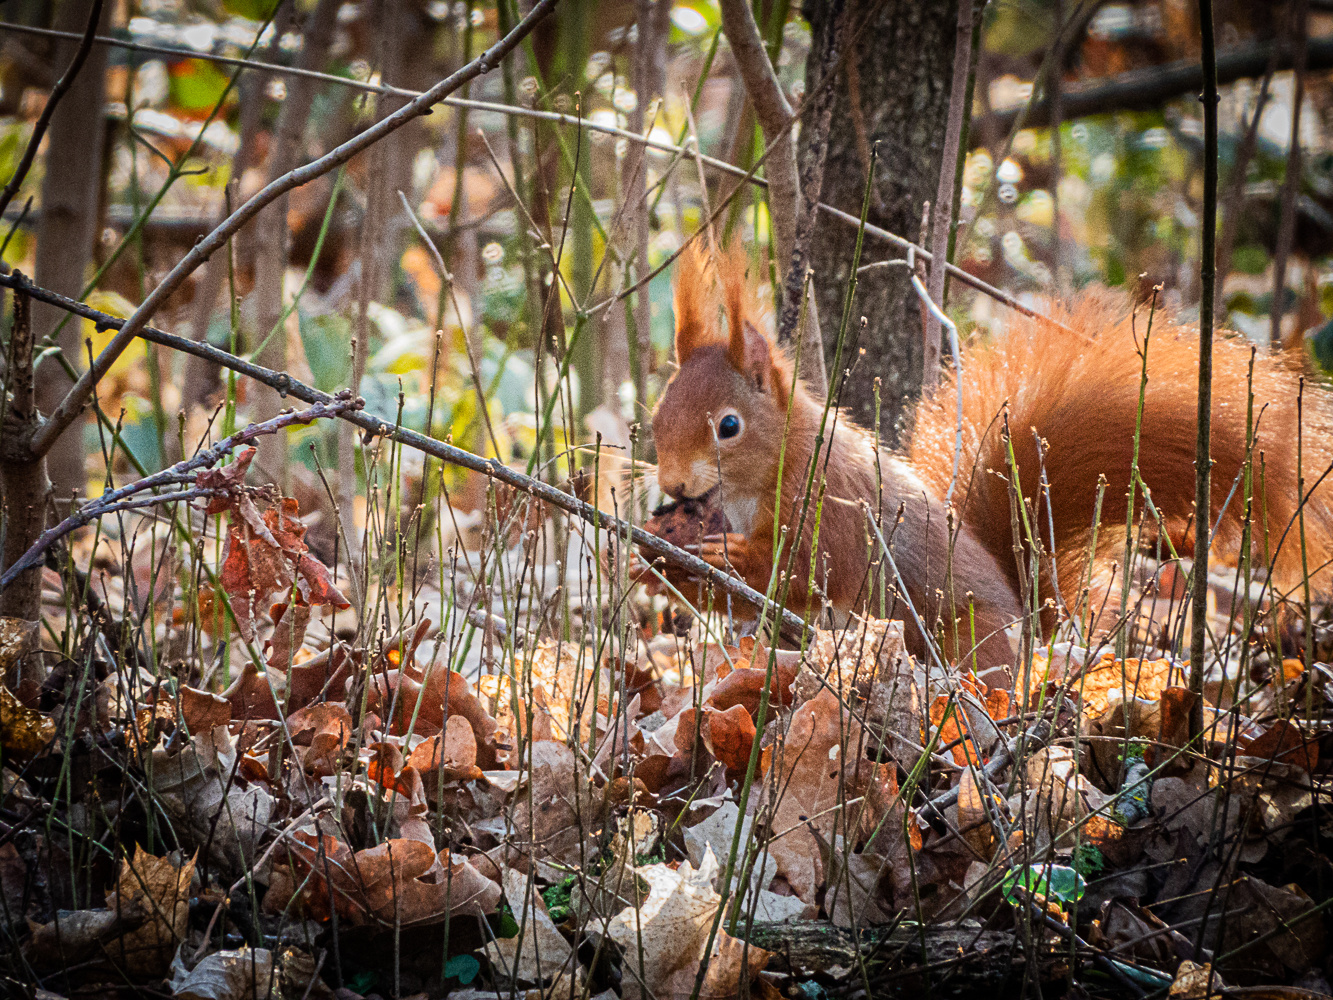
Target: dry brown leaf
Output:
[
  {"x": 729, "y": 735},
  {"x": 80, "y": 936},
  {"x": 565, "y": 806},
  {"x": 974, "y": 820},
  {"x": 202, "y": 710},
  {"x": 854, "y": 897},
  {"x": 1124, "y": 679},
  {"x": 541, "y": 954},
  {"x": 1057, "y": 799},
  {"x": 734, "y": 962},
  {"x": 716, "y": 833},
  {"x": 672, "y": 924},
  {"x": 214, "y": 798},
  {"x": 322, "y": 731},
  {"x": 266, "y": 553},
  {"x": 450, "y": 756},
  {"x": 1194, "y": 982},
  {"x": 400, "y": 880},
  {"x": 814, "y": 777},
  {"x": 1284, "y": 742},
  {"x": 23, "y": 730},
  {"x": 226, "y": 975},
  {"x": 18, "y": 637},
  {"x": 161, "y": 889}
]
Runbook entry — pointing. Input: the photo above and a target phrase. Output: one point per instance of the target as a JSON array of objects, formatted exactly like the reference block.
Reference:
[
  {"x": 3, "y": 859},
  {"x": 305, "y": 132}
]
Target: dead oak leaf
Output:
[
  {"x": 266, "y": 554},
  {"x": 820, "y": 774}
]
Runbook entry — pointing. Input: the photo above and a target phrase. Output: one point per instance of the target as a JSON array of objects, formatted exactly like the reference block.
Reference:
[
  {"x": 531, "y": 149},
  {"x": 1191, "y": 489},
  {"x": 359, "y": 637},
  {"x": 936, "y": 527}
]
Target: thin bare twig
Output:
[
  {"x": 70, "y": 407},
  {"x": 57, "y": 92},
  {"x": 794, "y": 306},
  {"x": 1207, "y": 299}
]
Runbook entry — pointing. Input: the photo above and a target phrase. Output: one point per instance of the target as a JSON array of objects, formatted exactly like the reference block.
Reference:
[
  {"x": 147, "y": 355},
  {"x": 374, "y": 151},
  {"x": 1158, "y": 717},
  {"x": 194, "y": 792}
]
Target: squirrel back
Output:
[
  {"x": 736, "y": 425},
  {"x": 1073, "y": 379}
]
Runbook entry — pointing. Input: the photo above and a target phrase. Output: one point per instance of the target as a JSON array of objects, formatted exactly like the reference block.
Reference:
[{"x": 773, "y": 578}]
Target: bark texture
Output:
[
  {"x": 23, "y": 483},
  {"x": 894, "y": 88},
  {"x": 71, "y": 192}
]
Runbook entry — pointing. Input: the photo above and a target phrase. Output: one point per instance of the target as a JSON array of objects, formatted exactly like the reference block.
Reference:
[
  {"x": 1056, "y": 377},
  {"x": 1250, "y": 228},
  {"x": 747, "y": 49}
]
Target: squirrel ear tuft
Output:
[
  {"x": 751, "y": 354},
  {"x": 690, "y": 303}
]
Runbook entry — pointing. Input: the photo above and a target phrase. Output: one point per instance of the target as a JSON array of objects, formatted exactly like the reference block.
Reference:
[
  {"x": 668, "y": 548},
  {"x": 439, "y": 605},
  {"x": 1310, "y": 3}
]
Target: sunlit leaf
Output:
[{"x": 1056, "y": 882}]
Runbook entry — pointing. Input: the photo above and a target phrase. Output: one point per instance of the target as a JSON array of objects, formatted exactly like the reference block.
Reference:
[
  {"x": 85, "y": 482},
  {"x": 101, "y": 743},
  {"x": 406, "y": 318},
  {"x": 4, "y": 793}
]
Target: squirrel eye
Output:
[{"x": 729, "y": 426}]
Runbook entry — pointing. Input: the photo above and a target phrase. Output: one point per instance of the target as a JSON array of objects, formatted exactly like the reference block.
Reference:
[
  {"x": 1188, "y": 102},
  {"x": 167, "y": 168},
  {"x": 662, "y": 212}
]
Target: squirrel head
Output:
[{"x": 722, "y": 416}]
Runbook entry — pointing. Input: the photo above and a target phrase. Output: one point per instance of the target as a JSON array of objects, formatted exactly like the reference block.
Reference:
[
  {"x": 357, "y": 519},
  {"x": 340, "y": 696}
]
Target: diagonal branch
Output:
[
  {"x": 73, "y": 403},
  {"x": 57, "y": 92},
  {"x": 117, "y": 499},
  {"x": 373, "y": 424}
]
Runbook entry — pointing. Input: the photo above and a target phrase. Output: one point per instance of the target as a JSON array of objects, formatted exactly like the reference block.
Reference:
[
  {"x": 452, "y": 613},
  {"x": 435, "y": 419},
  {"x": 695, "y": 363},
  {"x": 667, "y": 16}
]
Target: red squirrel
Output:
[{"x": 1073, "y": 378}]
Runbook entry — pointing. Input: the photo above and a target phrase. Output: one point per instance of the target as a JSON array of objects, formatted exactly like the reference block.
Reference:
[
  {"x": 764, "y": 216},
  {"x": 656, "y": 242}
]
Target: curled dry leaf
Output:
[
  {"x": 399, "y": 880},
  {"x": 869, "y": 666},
  {"x": 18, "y": 637},
  {"x": 322, "y": 732},
  {"x": 22, "y": 729},
  {"x": 1284, "y": 742},
  {"x": 974, "y": 818},
  {"x": 729, "y": 735},
  {"x": 215, "y": 796},
  {"x": 266, "y": 553},
  {"x": 1058, "y": 798},
  {"x": 733, "y": 963},
  {"x": 246, "y": 974},
  {"x": 820, "y": 776},
  {"x": 202, "y": 710},
  {"x": 422, "y": 705},
  {"x": 159, "y": 889},
  {"x": 565, "y": 806},
  {"x": 540, "y": 954},
  {"x": 854, "y": 897},
  {"x": 716, "y": 833},
  {"x": 1110, "y": 678},
  {"x": 449, "y": 756},
  {"x": 671, "y": 925}
]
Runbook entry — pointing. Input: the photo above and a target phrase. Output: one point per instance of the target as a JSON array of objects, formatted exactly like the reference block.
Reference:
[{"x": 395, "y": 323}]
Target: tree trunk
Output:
[
  {"x": 71, "y": 192},
  {"x": 899, "y": 65},
  {"x": 25, "y": 488}
]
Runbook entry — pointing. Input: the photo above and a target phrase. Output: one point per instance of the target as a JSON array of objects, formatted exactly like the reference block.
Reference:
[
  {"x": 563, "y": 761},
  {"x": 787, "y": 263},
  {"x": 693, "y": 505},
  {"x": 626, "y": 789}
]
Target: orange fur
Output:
[{"x": 1079, "y": 387}]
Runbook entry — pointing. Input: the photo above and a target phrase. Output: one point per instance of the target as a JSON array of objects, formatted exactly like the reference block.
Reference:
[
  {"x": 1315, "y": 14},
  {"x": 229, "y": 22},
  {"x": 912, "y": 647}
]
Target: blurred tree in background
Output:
[{"x": 528, "y": 229}]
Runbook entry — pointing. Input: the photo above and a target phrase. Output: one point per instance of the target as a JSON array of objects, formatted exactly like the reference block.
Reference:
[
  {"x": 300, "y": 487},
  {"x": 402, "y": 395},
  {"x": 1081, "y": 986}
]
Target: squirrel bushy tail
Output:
[{"x": 1076, "y": 382}]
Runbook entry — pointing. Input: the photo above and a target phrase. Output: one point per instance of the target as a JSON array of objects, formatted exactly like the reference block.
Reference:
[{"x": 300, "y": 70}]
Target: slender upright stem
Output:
[
  {"x": 942, "y": 217},
  {"x": 1207, "y": 299}
]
